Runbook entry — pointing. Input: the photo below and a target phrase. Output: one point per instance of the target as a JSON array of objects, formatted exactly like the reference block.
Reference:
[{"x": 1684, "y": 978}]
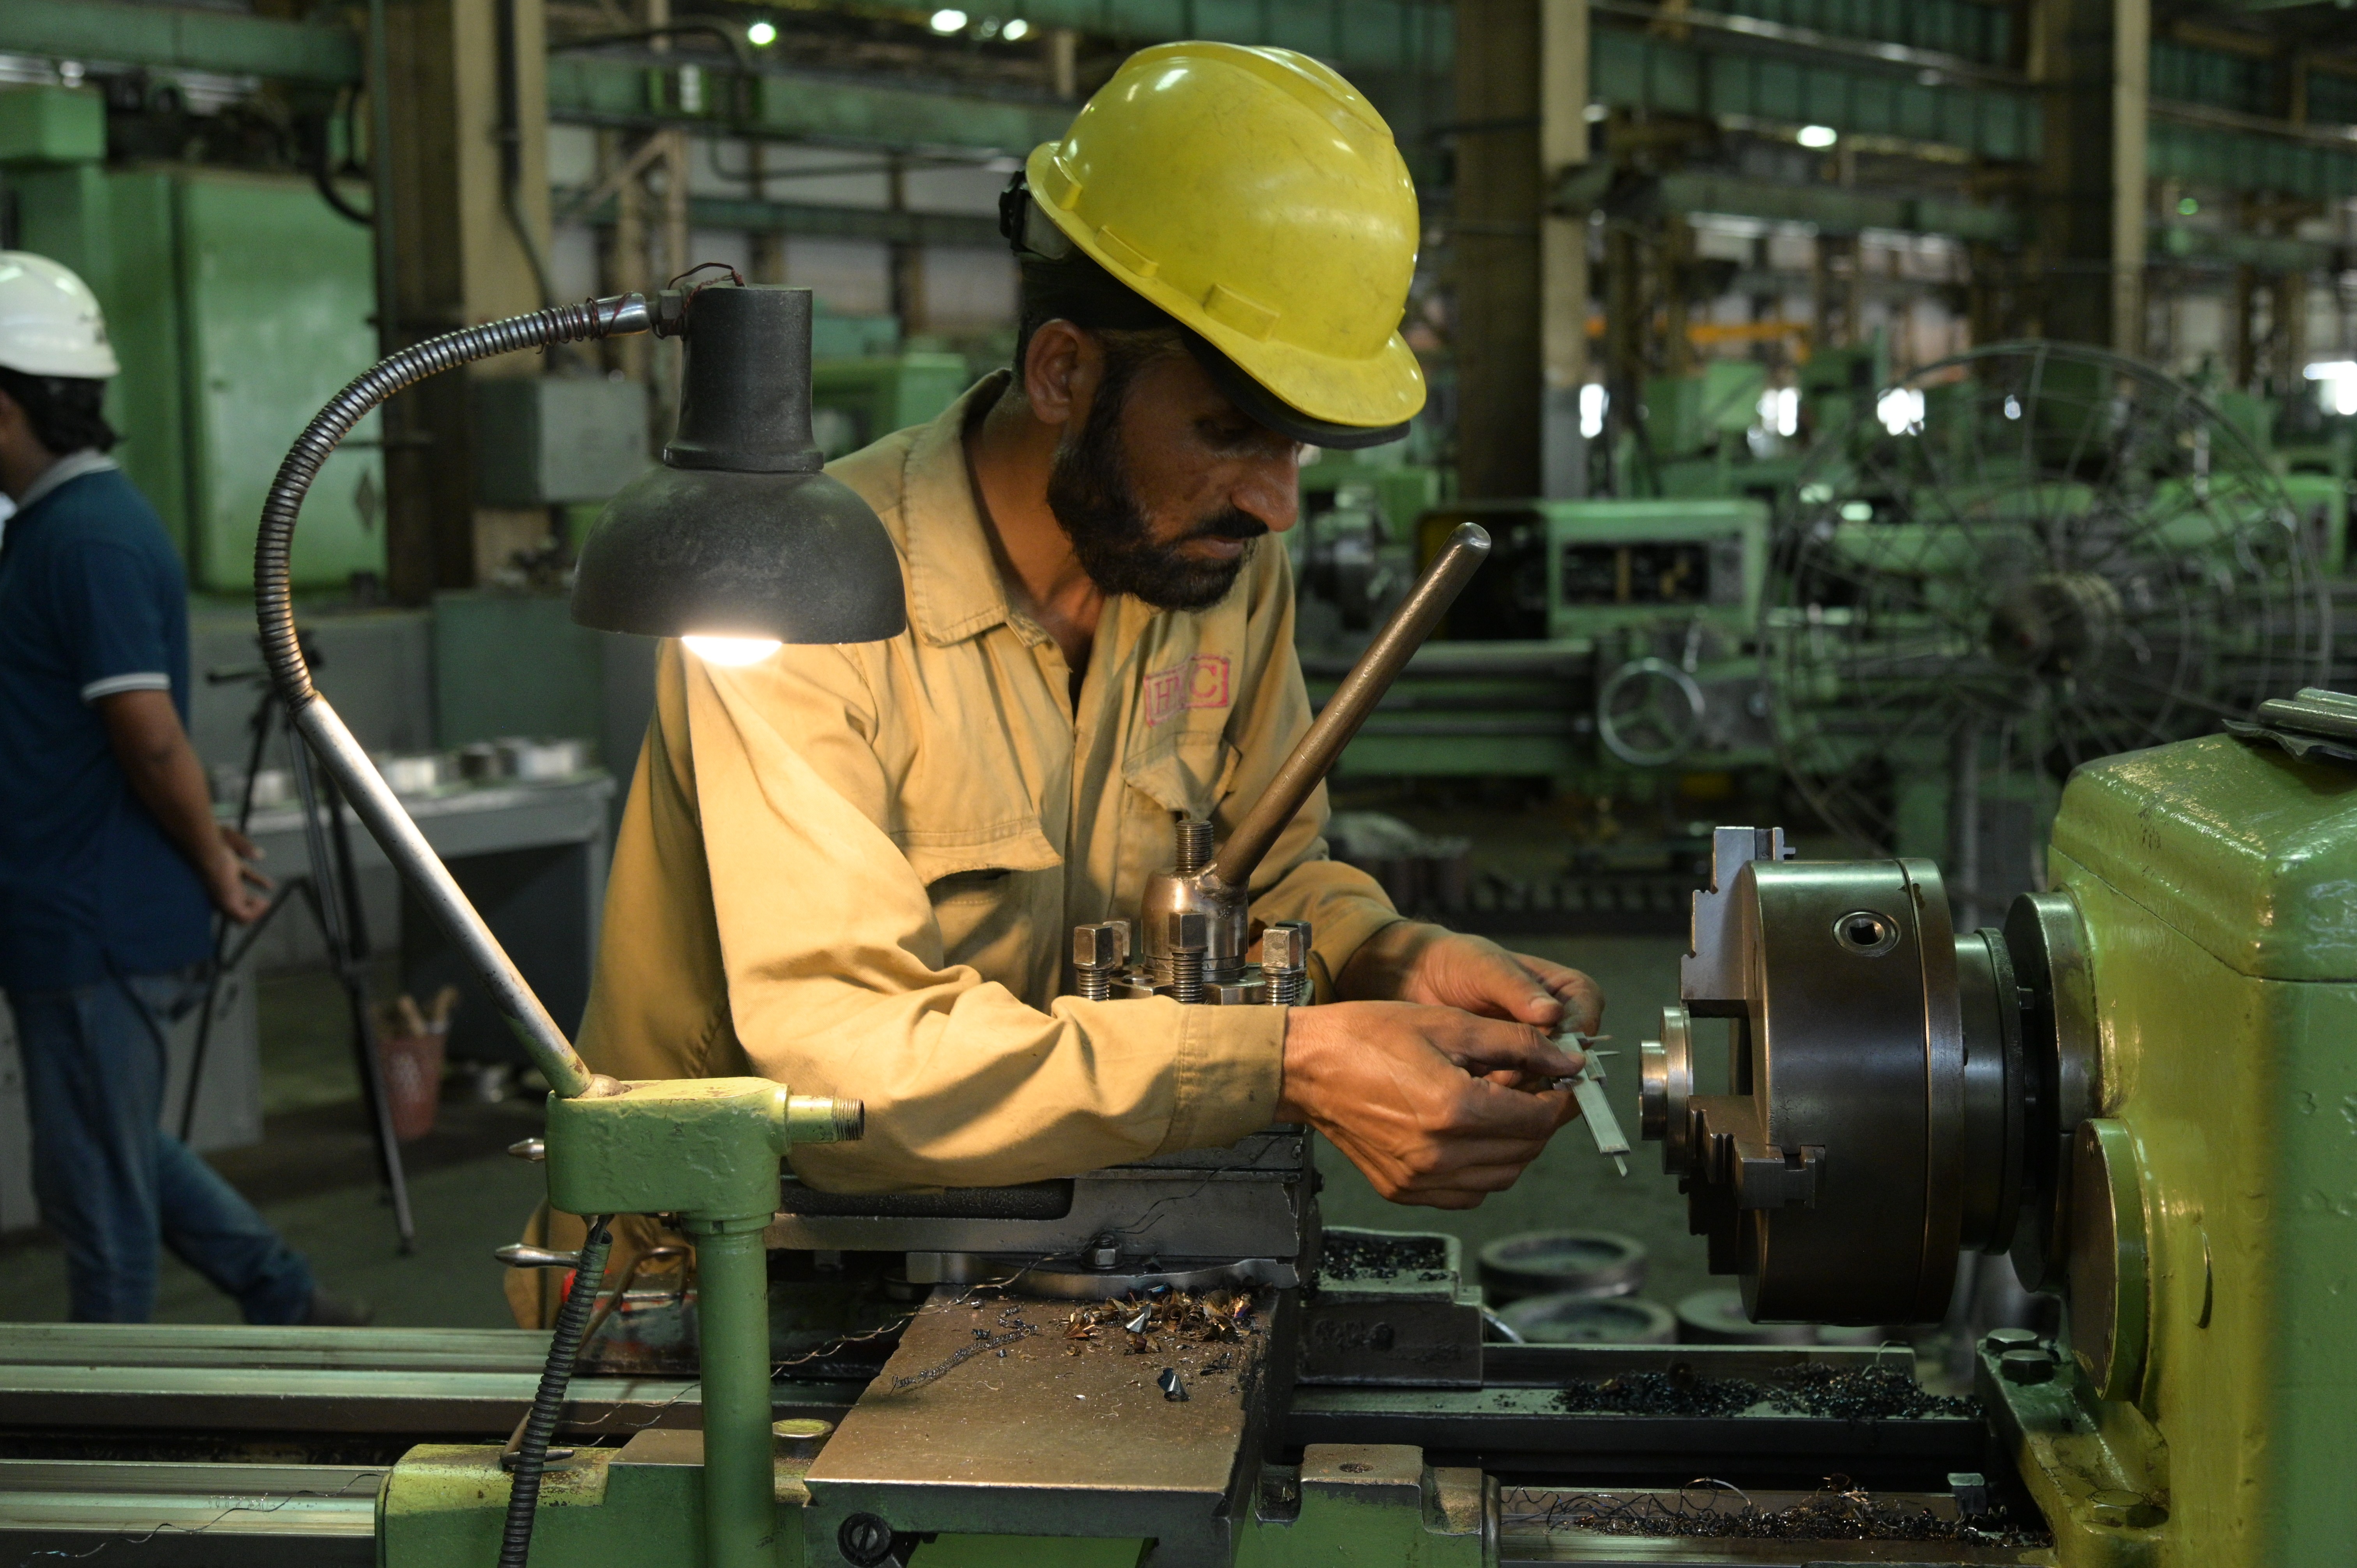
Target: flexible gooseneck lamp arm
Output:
[
  {"x": 568, "y": 1076},
  {"x": 739, "y": 533}
]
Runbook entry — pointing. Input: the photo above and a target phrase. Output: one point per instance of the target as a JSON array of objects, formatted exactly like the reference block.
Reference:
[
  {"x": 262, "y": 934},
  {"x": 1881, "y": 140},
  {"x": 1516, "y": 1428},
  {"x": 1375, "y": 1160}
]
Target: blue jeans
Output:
[{"x": 111, "y": 1183}]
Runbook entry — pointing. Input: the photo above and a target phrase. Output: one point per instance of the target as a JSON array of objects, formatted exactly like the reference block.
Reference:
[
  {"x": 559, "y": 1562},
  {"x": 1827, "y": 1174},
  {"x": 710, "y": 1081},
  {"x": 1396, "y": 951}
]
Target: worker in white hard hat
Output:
[
  {"x": 856, "y": 869},
  {"x": 111, "y": 861}
]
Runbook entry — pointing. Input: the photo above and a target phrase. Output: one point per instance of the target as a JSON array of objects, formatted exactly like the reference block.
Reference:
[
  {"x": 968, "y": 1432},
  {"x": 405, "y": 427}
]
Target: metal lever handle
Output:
[
  {"x": 1352, "y": 701},
  {"x": 516, "y": 1255}
]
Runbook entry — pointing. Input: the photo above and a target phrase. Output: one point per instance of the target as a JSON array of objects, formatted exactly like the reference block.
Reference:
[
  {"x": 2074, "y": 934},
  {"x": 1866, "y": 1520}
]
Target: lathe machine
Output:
[{"x": 2141, "y": 1088}]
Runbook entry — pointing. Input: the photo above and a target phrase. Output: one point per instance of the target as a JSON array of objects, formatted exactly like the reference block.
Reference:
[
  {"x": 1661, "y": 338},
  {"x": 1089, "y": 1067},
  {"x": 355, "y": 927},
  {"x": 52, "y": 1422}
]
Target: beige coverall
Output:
[{"x": 856, "y": 869}]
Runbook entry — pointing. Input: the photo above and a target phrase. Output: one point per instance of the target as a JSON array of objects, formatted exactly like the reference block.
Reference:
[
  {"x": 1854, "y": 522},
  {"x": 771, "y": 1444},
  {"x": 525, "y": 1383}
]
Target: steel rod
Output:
[
  {"x": 1352, "y": 701},
  {"x": 733, "y": 1352},
  {"x": 405, "y": 844}
]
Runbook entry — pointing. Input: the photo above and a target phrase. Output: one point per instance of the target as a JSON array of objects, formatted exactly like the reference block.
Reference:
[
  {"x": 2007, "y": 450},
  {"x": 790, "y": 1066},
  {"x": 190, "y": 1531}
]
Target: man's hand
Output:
[
  {"x": 1414, "y": 962},
  {"x": 236, "y": 888},
  {"x": 144, "y": 729},
  {"x": 1419, "y": 1097}
]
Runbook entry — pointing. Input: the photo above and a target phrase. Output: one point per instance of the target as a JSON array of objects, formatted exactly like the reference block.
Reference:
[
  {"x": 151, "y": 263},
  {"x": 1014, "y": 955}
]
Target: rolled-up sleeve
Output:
[{"x": 837, "y": 981}]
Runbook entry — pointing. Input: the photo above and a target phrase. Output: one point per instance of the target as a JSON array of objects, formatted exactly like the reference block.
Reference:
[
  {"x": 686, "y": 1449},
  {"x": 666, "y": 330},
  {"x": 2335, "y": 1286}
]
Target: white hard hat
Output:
[{"x": 50, "y": 324}]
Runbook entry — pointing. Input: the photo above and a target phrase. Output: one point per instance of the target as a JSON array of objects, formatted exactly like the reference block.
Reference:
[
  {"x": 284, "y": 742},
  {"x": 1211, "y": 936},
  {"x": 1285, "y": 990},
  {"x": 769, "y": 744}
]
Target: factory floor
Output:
[{"x": 314, "y": 1175}]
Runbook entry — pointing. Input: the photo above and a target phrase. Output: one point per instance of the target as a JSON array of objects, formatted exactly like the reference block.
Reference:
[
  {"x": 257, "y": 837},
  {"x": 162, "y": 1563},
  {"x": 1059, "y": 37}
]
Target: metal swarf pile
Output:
[
  {"x": 1357, "y": 1255},
  {"x": 1714, "y": 1510},
  {"x": 1160, "y": 1322},
  {"x": 1812, "y": 1387}
]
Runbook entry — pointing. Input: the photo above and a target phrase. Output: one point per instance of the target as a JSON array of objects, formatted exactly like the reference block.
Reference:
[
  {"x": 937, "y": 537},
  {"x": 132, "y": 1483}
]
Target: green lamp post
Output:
[{"x": 737, "y": 538}]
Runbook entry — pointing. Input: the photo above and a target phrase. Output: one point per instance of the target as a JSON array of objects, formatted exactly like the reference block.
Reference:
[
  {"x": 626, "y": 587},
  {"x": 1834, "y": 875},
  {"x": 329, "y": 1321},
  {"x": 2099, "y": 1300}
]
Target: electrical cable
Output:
[{"x": 548, "y": 1404}]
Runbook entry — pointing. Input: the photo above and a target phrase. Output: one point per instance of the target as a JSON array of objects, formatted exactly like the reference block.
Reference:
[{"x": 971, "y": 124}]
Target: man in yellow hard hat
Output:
[{"x": 854, "y": 868}]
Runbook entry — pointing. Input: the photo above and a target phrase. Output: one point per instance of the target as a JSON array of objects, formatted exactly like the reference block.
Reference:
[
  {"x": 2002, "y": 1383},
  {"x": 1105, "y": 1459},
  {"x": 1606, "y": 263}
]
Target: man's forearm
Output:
[{"x": 154, "y": 755}]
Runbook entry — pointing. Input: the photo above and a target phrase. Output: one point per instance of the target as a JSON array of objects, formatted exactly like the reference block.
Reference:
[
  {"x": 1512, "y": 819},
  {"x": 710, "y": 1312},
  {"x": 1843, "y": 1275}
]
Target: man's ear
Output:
[{"x": 1061, "y": 367}]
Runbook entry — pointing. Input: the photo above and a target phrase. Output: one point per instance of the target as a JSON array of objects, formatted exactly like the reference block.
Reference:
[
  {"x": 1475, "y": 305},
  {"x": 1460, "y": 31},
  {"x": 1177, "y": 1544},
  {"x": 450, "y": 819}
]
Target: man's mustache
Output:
[{"x": 1237, "y": 525}]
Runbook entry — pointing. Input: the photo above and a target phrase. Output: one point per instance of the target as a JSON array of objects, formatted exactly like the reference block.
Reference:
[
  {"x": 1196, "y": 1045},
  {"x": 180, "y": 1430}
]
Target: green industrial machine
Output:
[
  {"x": 2067, "y": 555},
  {"x": 1608, "y": 636},
  {"x": 2137, "y": 1088},
  {"x": 855, "y": 401},
  {"x": 238, "y": 303}
]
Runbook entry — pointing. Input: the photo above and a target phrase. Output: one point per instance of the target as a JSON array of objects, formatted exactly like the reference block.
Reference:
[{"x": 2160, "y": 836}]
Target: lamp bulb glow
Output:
[
  {"x": 1817, "y": 137},
  {"x": 1015, "y": 30},
  {"x": 948, "y": 21},
  {"x": 732, "y": 650},
  {"x": 761, "y": 35}
]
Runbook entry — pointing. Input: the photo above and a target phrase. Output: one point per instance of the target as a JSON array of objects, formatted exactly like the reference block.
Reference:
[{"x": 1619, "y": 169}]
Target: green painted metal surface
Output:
[
  {"x": 1717, "y": 74},
  {"x": 41, "y": 127},
  {"x": 276, "y": 292},
  {"x": 2248, "y": 853},
  {"x": 1353, "y": 35},
  {"x": 117, "y": 231},
  {"x": 855, "y": 401},
  {"x": 2218, "y": 881},
  {"x": 507, "y": 663},
  {"x": 607, "y": 90},
  {"x": 1675, "y": 558},
  {"x": 948, "y": 1550},
  {"x": 443, "y": 1505},
  {"x": 702, "y": 1147},
  {"x": 168, "y": 37},
  {"x": 238, "y": 304}
]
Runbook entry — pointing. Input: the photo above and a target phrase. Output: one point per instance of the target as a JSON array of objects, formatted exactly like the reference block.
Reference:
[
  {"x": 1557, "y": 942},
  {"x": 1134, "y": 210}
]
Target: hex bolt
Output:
[
  {"x": 1998, "y": 1341},
  {"x": 1190, "y": 941},
  {"x": 1194, "y": 851},
  {"x": 1284, "y": 959},
  {"x": 1104, "y": 1253},
  {"x": 2026, "y": 1367},
  {"x": 1096, "y": 955}
]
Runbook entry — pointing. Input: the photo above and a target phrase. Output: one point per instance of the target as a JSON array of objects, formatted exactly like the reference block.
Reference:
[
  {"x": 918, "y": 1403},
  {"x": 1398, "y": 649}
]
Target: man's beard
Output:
[{"x": 1089, "y": 491}]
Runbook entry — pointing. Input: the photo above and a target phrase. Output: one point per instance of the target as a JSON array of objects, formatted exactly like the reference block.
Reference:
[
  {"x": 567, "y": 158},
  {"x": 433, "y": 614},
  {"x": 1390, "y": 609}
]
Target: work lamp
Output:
[{"x": 738, "y": 543}]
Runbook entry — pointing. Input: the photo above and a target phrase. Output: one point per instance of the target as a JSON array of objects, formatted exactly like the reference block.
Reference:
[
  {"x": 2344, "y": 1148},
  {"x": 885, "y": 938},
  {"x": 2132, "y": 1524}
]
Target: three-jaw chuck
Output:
[{"x": 1899, "y": 1094}]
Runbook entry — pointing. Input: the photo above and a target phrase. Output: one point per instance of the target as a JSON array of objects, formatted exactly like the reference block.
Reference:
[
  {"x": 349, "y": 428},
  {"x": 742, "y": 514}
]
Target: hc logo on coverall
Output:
[{"x": 1200, "y": 682}]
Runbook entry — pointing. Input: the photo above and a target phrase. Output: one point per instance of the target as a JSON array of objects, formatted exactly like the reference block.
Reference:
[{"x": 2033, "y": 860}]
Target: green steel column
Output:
[{"x": 733, "y": 1317}]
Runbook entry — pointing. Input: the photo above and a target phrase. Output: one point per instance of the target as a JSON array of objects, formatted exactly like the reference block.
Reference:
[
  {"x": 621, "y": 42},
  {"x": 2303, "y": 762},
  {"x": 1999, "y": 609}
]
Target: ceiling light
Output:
[
  {"x": 1017, "y": 30},
  {"x": 948, "y": 21},
  {"x": 761, "y": 35},
  {"x": 1818, "y": 136}
]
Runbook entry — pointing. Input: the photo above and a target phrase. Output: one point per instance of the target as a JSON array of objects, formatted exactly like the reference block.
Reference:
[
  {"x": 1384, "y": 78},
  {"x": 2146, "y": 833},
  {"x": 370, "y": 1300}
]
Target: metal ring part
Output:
[
  {"x": 2061, "y": 1088},
  {"x": 1657, "y": 724},
  {"x": 1666, "y": 1069},
  {"x": 1562, "y": 1262},
  {"x": 2110, "y": 1266},
  {"x": 1868, "y": 933}
]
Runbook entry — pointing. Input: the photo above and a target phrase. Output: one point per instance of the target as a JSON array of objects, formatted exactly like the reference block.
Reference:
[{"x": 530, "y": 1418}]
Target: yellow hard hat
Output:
[{"x": 1258, "y": 200}]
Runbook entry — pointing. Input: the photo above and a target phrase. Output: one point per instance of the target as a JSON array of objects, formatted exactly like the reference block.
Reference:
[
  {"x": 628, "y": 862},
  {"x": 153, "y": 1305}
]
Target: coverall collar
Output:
[{"x": 955, "y": 589}]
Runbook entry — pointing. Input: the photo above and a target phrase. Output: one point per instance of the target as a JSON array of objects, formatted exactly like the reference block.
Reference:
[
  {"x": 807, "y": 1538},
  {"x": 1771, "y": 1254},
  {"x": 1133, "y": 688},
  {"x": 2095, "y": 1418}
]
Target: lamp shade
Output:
[{"x": 739, "y": 533}]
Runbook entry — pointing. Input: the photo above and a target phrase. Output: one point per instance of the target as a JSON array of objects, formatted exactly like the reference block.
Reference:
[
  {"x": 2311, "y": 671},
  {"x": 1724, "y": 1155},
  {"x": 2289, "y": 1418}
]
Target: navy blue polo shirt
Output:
[{"x": 92, "y": 602}]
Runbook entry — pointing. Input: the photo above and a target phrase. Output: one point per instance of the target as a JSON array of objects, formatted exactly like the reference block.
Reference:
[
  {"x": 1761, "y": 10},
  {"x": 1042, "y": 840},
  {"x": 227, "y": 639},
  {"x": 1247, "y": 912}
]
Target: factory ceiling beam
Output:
[
  {"x": 1832, "y": 209},
  {"x": 748, "y": 214},
  {"x": 648, "y": 91},
  {"x": 181, "y": 39},
  {"x": 1350, "y": 34}
]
